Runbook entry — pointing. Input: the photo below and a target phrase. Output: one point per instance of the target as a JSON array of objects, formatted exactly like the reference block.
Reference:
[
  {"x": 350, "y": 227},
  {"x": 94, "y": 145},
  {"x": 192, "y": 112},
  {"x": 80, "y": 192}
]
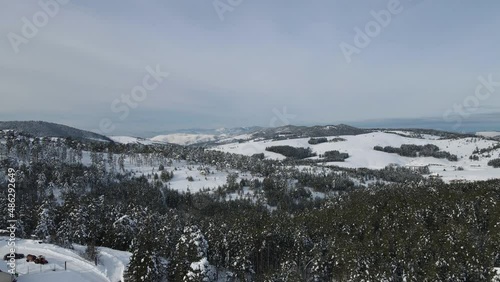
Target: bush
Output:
[
  {"x": 292, "y": 152},
  {"x": 314, "y": 141},
  {"x": 166, "y": 176},
  {"x": 337, "y": 139},
  {"x": 259, "y": 156},
  {"x": 474, "y": 157},
  {"x": 335, "y": 156},
  {"x": 494, "y": 163}
]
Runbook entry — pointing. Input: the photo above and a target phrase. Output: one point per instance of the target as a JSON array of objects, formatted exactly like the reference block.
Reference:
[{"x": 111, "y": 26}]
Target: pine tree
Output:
[
  {"x": 190, "y": 262},
  {"x": 146, "y": 262},
  {"x": 46, "y": 226},
  {"x": 124, "y": 230}
]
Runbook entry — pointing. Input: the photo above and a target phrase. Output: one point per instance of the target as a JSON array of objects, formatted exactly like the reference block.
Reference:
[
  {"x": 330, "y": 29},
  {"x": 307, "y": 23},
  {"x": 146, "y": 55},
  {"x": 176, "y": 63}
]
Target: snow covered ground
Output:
[
  {"x": 112, "y": 263},
  {"x": 362, "y": 154},
  {"x": 204, "y": 177},
  {"x": 183, "y": 172}
]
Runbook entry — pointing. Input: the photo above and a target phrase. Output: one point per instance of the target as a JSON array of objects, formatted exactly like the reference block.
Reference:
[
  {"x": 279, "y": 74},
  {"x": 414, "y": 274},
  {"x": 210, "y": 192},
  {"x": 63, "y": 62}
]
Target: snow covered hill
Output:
[
  {"x": 112, "y": 263},
  {"x": 48, "y": 129},
  {"x": 196, "y": 136},
  {"x": 130, "y": 140},
  {"x": 184, "y": 138},
  {"x": 488, "y": 133},
  {"x": 360, "y": 148}
]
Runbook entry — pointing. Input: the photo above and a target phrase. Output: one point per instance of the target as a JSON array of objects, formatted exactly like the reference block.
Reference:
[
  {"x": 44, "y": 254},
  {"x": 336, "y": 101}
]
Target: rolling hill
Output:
[
  {"x": 48, "y": 129},
  {"x": 362, "y": 154}
]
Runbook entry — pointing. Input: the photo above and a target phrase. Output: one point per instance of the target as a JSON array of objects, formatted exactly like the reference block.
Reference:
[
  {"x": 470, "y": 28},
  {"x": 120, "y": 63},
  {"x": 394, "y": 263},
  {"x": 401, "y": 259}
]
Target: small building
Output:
[
  {"x": 435, "y": 176},
  {"x": 416, "y": 167},
  {"x": 6, "y": 277}
]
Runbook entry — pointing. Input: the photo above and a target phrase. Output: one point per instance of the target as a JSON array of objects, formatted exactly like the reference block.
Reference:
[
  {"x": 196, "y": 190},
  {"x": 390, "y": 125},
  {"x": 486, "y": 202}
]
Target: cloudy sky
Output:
[{"x": 242, "y": 62}]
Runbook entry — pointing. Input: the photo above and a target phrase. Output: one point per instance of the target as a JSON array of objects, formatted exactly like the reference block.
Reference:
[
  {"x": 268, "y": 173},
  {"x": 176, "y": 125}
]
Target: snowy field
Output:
[
  {"x": 362, "y": 154},
  {"x": 204, "y": 177},
  {"x": 183, "y": 171},
  {"x": 112, "y": 263}
]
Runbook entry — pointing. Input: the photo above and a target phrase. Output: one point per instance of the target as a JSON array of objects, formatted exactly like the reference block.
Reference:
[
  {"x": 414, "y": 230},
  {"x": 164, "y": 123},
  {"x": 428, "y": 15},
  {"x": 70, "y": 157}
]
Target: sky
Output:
[{"x": 230, "y": 63}]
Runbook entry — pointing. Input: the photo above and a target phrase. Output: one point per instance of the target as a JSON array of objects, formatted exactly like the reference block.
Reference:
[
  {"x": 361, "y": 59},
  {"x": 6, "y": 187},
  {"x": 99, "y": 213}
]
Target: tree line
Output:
[{"x": 411, "y": 150}]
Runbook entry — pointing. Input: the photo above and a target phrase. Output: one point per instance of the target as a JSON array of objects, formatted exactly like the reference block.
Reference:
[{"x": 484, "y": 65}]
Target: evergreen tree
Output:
[
  {"x": 146, "y": 262},
  {"x": 190, "y": 262},
  {"x": 46, "y": 226}
]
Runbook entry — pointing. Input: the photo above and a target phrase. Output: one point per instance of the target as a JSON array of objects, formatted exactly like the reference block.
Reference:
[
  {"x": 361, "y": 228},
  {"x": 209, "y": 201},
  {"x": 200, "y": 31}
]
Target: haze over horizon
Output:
[{"x": 256, "y": 63}]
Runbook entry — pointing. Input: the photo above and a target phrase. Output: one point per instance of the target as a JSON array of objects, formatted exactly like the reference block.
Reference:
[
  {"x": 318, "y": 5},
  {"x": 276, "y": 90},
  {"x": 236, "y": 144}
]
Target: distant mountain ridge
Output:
[
  {"x": 293, "y": 131},
  {"x": 48, "y": 129},
  {"x": 207, "y": 137},
  {"x": 185, "y": 138},
  {"x": 203, "y": 136},
  {"x": 212, "y": 131},
  {"x": 227, "y": 135}
]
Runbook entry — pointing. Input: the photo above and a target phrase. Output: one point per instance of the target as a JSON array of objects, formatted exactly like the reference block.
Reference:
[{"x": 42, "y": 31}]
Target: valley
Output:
[{"x": 215, "y": 210}]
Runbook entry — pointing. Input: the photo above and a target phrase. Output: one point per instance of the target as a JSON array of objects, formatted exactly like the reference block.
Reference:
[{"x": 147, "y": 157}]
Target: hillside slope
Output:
[
  {"x": 362, "y": 154},
  {"x": 48, "y": 129}
]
